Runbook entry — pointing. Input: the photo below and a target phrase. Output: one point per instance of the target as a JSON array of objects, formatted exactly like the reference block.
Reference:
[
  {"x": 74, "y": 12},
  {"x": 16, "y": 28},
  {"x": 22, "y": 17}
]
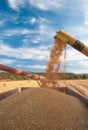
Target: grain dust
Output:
[{"x": 57, "y": 55}]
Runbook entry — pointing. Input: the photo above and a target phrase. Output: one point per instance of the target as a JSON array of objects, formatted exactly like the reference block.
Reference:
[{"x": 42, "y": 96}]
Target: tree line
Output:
[{"x": 67, "y": 76}]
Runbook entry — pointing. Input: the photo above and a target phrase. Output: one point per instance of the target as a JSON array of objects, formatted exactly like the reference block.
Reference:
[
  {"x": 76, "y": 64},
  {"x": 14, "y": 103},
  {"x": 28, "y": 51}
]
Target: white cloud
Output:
[
  {"x": 72, "y": 7},
  {"x": 80, "y": 8},
  {"x": 36, "y": 67},
  {"x": 74, "y": 55},
  {"x": 39, "y": 20},
  {"x": 42, "y": 25},
  {"x": 14, "y": 32},
  {"x": 46, "y": 4},
  {"x": 37, "y": 53},
  {"x": 5, "y": 19},
  {"x": 78, "y": 60},
  {"x": 6, "y": 61},
  {"x": 69, "y": 8},
  {"x": 43, "y": 20},
  {"x": 43, "y": 5},
  {"x": 41, "y": 34},
  {"x": 16, "y": 4},
  {"x": 77, "y": 30},
  {"x": 84, "y": 64},
  {"x": 44, "y": 33},
  {"x": 85, "y": 10},
  {"x": 32, "y": 20},
  {"x": 81, "y": 71}
]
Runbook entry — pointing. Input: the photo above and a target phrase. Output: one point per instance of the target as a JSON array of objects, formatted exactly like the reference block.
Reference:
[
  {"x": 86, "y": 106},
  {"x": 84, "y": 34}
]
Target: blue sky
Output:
[{"x": 28, "y": 27}]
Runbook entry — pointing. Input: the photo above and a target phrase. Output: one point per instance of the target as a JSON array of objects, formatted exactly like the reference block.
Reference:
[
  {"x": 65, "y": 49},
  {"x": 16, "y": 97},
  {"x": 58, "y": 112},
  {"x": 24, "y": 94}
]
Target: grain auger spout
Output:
[
  {"x": 72, "y": 41},
  {"x": 58, "y": 54},
  {"x": 24, "y": 73}
]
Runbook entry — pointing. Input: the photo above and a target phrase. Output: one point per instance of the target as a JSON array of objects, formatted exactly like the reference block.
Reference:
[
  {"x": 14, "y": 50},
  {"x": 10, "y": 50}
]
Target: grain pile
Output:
[
  {"x": 43, "y": 109},
  {"x": 54, "y": 63}
]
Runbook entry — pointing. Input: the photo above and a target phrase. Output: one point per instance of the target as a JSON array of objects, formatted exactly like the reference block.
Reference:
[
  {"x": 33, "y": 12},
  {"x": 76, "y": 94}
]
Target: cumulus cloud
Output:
[{"x": 37, "y": 53}]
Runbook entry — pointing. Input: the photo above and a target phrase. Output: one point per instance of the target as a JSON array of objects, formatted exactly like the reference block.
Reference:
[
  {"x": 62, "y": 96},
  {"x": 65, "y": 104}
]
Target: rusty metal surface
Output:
[{"x": 20, "y": 72}]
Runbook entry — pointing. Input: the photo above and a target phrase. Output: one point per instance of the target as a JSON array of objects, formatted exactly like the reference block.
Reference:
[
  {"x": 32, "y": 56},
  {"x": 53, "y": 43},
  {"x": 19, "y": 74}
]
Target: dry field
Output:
[
  {"x": 79, "y": 85},
  {"x": 10, "y": 85}
]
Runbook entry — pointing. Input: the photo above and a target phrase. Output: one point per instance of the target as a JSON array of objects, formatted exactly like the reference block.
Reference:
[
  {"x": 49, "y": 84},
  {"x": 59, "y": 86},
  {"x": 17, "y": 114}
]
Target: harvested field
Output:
[
  {"x": 10, "y": 85},
  {"x": 43, "y": 109},
  {"x": 79, "y": 85}
]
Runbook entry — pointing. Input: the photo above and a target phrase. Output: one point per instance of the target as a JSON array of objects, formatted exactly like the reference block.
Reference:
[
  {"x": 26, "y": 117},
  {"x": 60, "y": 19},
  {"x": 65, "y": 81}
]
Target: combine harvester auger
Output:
[
  {"x": 62, "y": 38},
  {"x": 66, "y": 38}
]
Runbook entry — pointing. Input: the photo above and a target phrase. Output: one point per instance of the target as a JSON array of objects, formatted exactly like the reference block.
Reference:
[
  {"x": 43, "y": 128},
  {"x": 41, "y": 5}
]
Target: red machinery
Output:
[{"x": 21, "y": 72}]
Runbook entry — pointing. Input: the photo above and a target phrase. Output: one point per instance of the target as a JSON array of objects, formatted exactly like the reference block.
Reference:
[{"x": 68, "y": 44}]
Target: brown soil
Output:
[{"x": 43, "y": 109}]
